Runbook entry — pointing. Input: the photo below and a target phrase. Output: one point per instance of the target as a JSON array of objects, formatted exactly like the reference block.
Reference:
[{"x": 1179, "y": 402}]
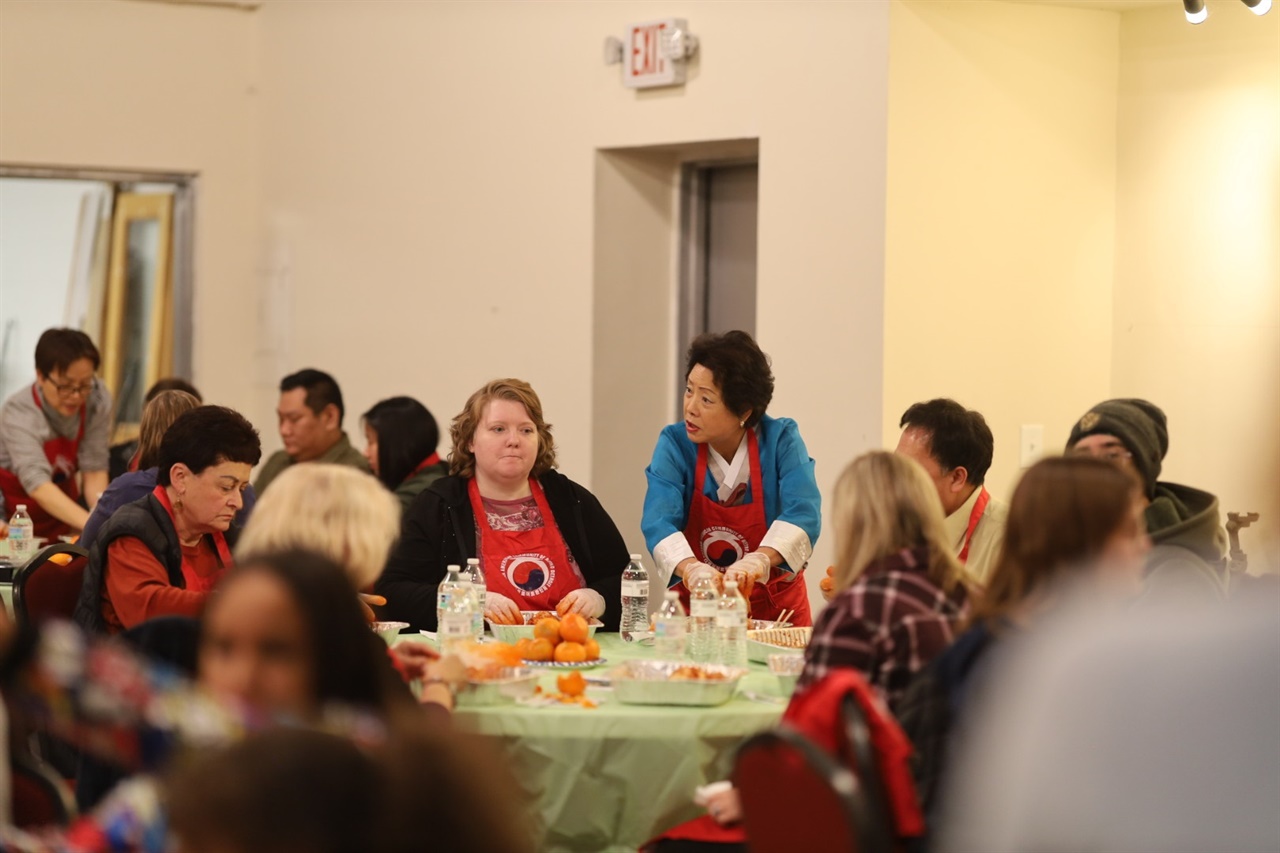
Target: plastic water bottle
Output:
[
  {"x": 453, "y": 610},
  {"x": 702, "y": 624},
  {"x": 22, "y": 535},
  {"x": 731, "y": 625},
  {"x": 635, "y": 600},
  {"x": 670, "y": 627},
  {"x": 479, "y": 594}
]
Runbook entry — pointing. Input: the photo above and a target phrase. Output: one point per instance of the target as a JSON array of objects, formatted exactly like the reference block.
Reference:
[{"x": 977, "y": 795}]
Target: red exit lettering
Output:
[{"x": 644, "y": 54}]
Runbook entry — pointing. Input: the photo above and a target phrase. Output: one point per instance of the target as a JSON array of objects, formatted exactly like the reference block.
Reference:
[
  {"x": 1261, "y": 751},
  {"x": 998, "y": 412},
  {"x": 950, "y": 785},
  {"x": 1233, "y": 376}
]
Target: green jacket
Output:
[
  {"x": 416, "y": 484},
  {"x": 1188, "y": 545},
  {"x": 342, "y": 453}
]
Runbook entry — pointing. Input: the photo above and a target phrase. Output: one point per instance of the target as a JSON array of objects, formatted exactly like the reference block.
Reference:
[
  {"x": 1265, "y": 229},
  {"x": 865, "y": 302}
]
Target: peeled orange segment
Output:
[{"x": 572, "y": 684}]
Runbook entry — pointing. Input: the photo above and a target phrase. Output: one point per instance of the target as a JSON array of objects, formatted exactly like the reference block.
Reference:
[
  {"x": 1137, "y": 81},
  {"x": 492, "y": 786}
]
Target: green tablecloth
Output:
[{"x": 610, "y": 778}]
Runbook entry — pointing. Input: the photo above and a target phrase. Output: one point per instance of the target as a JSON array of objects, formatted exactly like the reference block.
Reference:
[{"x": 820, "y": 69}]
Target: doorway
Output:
[{"x": 719, "y": 211}]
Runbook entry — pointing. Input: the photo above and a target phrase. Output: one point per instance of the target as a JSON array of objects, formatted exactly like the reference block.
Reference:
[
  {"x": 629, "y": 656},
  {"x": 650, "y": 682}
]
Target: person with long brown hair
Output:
[
  {"x": 1075, "y": 527},
  {"x": 543, "y": 541},
  {"x": 900, "y": 590}
]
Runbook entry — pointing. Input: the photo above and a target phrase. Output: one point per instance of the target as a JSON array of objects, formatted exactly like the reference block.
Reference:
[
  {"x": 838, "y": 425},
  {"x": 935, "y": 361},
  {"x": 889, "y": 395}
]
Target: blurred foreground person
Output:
[
  {"x": 1151, "y": 731},
  {"x": 1074, "y": 530},
  {"x": 1189, "y": 544},
  {"x": 298, "y": 791}
]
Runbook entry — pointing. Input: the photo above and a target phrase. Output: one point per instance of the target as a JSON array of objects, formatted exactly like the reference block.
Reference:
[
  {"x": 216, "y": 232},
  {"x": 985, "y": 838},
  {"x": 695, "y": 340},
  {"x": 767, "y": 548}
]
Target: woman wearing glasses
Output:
[{"x": 54, "y": 433}]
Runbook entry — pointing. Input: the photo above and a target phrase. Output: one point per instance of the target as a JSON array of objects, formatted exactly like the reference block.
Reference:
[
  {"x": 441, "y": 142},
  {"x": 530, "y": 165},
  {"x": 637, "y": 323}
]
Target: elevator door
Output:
[{"x": 718, "y": 243}]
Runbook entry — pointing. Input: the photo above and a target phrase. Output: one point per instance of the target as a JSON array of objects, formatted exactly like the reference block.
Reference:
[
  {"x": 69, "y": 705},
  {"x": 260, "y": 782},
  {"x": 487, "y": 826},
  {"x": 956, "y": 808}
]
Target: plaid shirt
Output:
[{"x": 888, "y": 625}]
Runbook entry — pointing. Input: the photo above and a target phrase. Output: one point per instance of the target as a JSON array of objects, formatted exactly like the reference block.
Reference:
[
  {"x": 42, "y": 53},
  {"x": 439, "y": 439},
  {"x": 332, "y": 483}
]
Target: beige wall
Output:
[
  {"x": 141, "y": 85},
  {"x": 1197, "y": 296},
  {"x": 443, "y": 155},
  {"x": 442, "y": 158},
  {"x": 1001, "y": 215}
]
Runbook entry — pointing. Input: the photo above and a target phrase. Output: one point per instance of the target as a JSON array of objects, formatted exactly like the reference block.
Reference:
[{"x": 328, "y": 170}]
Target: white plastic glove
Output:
[
  {"x": 501, "y": 610},
  {"x": 586, "y": 601},
  {"x": 755, "y": 566},
  {"x": 696, "y": 571}
]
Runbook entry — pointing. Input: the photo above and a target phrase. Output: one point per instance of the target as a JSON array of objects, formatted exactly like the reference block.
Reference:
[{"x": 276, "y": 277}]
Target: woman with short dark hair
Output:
[
  {"x": 732, "y": 492},
  {"x": 401, "y": 437},
  {"x": 163, "y": 553}
]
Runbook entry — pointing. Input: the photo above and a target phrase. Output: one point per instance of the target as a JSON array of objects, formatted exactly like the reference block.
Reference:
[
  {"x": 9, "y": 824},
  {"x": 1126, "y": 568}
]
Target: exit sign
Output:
[{"x": 648, "y": 55}]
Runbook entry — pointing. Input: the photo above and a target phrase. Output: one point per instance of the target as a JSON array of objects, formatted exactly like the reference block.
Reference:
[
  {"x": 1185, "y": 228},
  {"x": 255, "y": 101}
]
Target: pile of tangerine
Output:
[{"x": 566, "y": 640}]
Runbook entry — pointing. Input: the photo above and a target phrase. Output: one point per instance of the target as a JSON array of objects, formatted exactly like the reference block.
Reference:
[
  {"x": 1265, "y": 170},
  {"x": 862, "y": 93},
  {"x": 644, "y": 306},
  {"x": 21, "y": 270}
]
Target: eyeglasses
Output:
[
  {"x": 1110, "y": 454},
  {"x": 69, "y": 389}
]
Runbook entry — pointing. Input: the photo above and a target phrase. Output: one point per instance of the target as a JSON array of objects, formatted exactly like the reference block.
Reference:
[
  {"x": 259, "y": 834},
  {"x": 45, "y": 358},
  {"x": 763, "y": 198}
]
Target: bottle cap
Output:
[
  {"x": 21, "y": 508},
  {"x": 473, "y": 561},
  {"x": 635, "y": 556}
]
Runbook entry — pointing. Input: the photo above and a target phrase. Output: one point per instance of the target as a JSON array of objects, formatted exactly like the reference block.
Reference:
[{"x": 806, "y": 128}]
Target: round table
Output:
[{"x": 612, "y": 777}]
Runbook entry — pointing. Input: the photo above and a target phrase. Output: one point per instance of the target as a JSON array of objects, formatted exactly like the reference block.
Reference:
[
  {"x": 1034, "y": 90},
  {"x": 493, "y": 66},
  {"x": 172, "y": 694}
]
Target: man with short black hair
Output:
[
  {"x": 310, "y": 414},
  {"x": 1189, "y": 544},
  {"x": 954, "y": 445}
]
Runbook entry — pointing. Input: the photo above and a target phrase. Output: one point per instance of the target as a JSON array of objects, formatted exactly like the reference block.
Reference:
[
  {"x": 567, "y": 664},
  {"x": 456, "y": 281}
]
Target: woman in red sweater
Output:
[{"x": 162, "y": 554}]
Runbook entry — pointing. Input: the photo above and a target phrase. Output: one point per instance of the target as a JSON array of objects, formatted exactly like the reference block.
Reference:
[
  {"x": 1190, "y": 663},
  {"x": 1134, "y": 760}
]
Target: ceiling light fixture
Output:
[
  {"x": 1258, "y": 7},
  {"x": 1196, "y": 11}
]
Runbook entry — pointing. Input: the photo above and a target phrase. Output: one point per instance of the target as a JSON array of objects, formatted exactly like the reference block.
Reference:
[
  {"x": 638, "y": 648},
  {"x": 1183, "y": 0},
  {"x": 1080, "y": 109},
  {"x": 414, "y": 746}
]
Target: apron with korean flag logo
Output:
[
  {"x": 530, "y": 567},
  {"x": 721, "y": 535},
  {"x": 64, "y": 460}
]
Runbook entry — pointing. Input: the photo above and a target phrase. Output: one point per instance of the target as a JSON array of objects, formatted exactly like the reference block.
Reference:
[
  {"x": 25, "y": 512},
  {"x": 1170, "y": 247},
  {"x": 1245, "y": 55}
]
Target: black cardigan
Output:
[{"x": 439, "y": 530}]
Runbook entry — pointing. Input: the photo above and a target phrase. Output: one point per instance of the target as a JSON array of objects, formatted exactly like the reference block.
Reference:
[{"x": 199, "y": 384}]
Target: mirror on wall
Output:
[{"x": 105, "y": 252}]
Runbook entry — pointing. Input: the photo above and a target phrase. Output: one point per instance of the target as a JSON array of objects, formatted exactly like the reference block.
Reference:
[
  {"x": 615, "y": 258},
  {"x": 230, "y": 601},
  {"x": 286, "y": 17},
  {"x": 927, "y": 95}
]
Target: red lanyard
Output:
[{"x": 974, "y": 517}]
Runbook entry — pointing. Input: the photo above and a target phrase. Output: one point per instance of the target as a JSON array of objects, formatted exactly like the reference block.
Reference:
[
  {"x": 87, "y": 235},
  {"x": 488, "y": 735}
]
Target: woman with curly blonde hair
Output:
[{"x": 543, "y": 541}]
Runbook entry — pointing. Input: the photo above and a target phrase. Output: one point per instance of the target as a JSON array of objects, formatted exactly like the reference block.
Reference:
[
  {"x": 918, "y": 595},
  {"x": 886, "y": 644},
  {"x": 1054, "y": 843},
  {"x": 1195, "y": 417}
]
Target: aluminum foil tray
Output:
[{"x": 646, "y": 682}]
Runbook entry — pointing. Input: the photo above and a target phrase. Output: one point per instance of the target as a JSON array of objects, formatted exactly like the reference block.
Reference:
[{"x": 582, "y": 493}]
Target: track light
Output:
[
  {"x": 1196, "y": 12},
  {"x": 1258, "y": 7}
]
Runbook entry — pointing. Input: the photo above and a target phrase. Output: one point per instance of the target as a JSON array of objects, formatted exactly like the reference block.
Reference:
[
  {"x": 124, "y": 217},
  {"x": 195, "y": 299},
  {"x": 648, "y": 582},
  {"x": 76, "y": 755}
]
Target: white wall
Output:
[
  {"x": 153, "y": 86},
  {"x": 1197, "y": 295},
  {"x": 1001, "y": 215}
]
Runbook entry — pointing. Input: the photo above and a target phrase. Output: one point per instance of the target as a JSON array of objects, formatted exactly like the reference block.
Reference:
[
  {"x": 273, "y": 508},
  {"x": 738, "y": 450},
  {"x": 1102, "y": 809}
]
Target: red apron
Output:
[
  {"x": 63, "y": 456},
  {"x": 721, "y": 535},
  {"x": 530, "y": 567},
  {"x": 195, "y": 582},
  {"x": 979, "y": 508}
]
